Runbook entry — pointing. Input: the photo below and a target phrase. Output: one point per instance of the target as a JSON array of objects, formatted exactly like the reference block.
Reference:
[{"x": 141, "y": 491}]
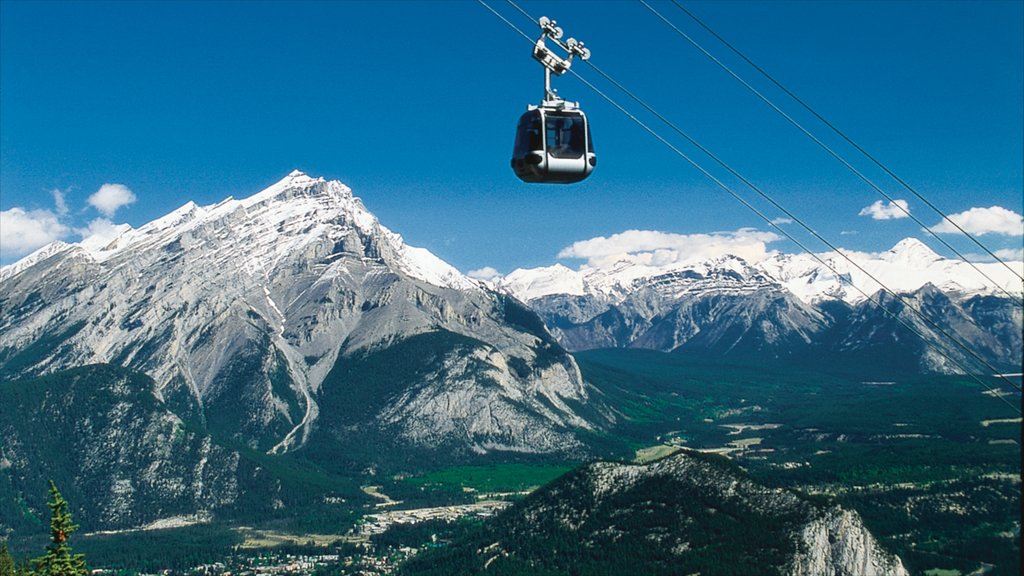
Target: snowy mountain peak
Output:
[
  {"x": 244, "y": 307},
  {"x": 295, "y": 213},
  {"x": 299, "y": 185},
  {"x": 537, "y": 282},
  {"x": 911, "y": 250}
]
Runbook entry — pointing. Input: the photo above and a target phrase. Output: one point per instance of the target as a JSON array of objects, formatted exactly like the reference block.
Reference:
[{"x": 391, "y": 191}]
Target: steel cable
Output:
[
  {"x": 849, "y": 141},
  {"x": 835, "y": 155},
  {"x": 942, "y": 352}
]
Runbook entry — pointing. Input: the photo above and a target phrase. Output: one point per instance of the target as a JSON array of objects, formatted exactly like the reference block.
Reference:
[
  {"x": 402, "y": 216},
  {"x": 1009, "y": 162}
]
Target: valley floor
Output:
[{"x": 932, "y": 464}]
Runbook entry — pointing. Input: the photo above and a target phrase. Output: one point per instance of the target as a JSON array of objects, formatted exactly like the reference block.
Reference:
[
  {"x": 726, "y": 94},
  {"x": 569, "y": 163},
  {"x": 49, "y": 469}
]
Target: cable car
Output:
[
  {"x": 553, "y": 145},
  {"x": 553, "y": 142}
]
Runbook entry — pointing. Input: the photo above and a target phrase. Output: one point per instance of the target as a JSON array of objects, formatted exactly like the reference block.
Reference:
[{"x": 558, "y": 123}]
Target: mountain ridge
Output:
[
  {"x": 906, "y": 267},
  {"x": 787, "y": 308},
  {"x": 281, "y": 286}
]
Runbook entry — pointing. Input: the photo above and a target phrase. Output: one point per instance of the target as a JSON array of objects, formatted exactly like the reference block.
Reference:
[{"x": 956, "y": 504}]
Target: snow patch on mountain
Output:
[
  {"x": 33, "y": 258},
  {"x": 537, "y": 282}
]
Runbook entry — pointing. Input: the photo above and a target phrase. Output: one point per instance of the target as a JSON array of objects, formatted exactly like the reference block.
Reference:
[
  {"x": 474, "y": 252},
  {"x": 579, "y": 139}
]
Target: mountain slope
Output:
[
  {"x": 240, "y": 312},
  {"x": 684, "y": 514},
  {"x": 118, "y": 454}
]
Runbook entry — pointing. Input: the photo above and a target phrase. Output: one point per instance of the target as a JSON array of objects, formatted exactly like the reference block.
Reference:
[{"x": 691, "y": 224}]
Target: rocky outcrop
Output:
[
  {"x": 746, "y": 317},
  {"x": 687, "y": 513},
  {"x": 837, "y": 544}
]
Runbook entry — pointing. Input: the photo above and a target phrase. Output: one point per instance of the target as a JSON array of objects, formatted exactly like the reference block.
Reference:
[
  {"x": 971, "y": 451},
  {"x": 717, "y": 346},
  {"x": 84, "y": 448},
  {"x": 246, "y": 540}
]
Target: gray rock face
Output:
[
  {"x": 828, "y": 541},
  {"x": 238, "y": 311},
  {"x": 728, "y": 307},
  {"x": 988, "y": 328},
  {"x": 741, "y": 312},
  {"x": 787, "y": 307},
  {"x": 837, "y": 544}
]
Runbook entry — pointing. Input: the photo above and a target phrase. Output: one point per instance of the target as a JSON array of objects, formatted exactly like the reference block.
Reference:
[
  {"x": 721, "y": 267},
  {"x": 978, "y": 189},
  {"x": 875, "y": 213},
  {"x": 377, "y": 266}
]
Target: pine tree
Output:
[
  {"x": 7, "y": 567},
  {"x": 59, "y": 560}
]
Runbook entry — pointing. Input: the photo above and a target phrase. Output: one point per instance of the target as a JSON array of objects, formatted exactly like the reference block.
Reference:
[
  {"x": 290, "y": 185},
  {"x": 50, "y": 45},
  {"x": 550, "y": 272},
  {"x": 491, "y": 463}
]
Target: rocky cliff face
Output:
[
  {"x": 687, "y": 513},
  {"x": 240, "y": 310},
  {"x": 837, "y": 544}
]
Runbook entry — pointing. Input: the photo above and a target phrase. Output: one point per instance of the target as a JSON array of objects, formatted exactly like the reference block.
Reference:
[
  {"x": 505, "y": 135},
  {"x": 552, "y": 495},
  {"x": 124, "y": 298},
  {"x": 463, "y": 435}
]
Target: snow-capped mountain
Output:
[
  {"x": 908, "y": 266},
  {"x": 169, "y": 357},
  {"x": 784, "y": 306},
  {"x": 240, "y": 312}
]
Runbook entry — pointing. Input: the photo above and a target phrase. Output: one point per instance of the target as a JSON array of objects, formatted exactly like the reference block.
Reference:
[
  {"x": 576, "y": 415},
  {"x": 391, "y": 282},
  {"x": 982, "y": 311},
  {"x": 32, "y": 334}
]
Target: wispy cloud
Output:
[
  {"x": 110, "y": 197},
  {"x": 22, "y": 231},
  {"x": 781, "y": 221},
  {"x": 981, "y": 221},
  {"x": 60, "y": 202},
  {"x": 1010, "y": 254},
  {"x": 1005, "y": 254},
  {"x": 887, "y": 211},
  {"x": 654, "y": 248}
]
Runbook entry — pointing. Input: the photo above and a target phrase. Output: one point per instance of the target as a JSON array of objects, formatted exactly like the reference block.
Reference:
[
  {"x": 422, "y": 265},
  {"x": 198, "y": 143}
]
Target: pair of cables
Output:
[{"x": 941, "y": 350}]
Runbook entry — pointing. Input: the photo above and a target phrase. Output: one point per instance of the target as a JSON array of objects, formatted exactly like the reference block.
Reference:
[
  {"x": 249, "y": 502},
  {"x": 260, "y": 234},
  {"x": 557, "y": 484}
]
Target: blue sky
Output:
[{"x": 414, "y": 106}]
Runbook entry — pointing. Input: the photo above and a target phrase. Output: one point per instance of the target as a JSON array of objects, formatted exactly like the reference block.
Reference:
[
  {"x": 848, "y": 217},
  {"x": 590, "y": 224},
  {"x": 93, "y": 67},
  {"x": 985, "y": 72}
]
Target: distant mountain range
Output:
[
  {"x": 907, "y": 267},
  {"x": 790, "y": 309}
]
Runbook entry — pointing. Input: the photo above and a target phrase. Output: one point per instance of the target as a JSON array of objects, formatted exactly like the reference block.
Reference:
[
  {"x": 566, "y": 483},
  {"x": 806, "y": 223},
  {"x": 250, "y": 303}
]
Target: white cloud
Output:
[
  {"x": 23, "y": 231},
  {"x": 981, "y": 221},
  {"x": 780, "y": 221},
  {"x": 849, "y": 233},
  {"x": 891, "y": 211},
  {"x": 60, "y": 202},
  {"x": 1006, "y": 254},
  {"x": 654, "y": 248},
  {"x": 100, "y": 233},
  {"x": 486, "y": 273},
  {"x": 110, "y": 197}
]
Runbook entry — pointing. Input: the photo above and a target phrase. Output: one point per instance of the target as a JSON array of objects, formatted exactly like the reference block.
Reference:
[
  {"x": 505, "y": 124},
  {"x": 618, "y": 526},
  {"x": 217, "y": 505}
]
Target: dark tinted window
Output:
[
  {"x": 566, "y": 134},
  {"x": 528, "y": 134}
]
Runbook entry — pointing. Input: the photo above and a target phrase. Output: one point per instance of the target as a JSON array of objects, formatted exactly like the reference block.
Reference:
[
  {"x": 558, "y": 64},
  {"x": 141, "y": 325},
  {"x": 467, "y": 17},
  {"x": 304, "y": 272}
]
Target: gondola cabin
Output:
[{"x": 553, "y": 145}]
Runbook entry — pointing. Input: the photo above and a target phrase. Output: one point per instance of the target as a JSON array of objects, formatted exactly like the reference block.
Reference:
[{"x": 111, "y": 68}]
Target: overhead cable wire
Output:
[
  {"x": 920, "y": 314},
  {"x": 833, "y": 153},
  {"x": 932, "y": 324},
  {"x": 941, "y": 351},
  {"x": 846, "y": 138}
]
